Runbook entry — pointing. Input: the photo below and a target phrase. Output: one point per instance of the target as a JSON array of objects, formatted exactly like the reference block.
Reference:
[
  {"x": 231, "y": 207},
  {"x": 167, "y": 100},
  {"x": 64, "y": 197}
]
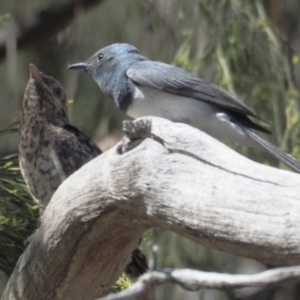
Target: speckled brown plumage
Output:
[{"x": 51, "y": 149}]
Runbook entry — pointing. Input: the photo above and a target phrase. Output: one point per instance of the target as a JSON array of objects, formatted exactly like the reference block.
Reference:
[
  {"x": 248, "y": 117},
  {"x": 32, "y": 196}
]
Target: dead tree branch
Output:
[{"x": 163, "y": 175}]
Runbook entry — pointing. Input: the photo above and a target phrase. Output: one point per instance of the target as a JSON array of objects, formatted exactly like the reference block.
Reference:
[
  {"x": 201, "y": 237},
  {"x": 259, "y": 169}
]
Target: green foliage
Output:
[
  {"x": 4, "y": 17},
  {"x": 236, "y": 46},
  {"x": 18, "y": 213},
  {"x": 122, "y": 284},
  {"x": 13, "y": 127}
]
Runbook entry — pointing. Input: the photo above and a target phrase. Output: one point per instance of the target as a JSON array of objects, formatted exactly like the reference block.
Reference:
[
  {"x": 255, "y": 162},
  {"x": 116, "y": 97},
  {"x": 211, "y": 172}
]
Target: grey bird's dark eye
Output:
[
  {"x": 100, "y": 56},
  {"x": 57, "y": 91}
]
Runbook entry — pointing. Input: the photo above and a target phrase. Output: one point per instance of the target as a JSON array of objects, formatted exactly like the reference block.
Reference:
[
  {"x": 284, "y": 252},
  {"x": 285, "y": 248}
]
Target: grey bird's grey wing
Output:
[
  {"x": 74, "y": 149},
  {"x": 173, "y": 80}
]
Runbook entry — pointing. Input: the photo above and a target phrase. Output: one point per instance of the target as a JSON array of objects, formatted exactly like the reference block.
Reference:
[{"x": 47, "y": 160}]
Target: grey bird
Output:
[
  {"x": 51, "y": 149},
  {"x": 141, "y": 87}
]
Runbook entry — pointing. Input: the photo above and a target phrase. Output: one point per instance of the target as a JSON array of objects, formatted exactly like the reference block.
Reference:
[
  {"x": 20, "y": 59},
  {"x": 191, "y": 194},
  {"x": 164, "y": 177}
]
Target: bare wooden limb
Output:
[
  {"x": 32, "y": 28},
  {"x": 164, "y": 175},
  {"x": 193, "y": 280}
]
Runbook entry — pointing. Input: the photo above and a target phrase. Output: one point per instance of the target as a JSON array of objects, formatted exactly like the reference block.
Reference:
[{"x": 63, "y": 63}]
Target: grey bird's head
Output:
[{"x": 108, "y": 66}]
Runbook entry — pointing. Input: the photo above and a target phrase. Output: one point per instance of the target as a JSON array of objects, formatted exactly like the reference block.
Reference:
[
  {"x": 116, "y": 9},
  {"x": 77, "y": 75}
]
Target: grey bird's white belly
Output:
[{"x": 150, "y": 102}]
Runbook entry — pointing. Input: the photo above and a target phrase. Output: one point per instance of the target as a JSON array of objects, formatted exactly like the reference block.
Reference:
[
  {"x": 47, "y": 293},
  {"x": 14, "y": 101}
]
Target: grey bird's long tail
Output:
[{"x": 291, "y": 162}]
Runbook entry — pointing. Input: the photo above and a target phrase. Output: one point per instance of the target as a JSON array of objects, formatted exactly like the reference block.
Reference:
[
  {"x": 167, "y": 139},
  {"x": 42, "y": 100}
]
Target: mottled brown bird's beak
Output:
[
  {"x": 35, "y": 73},
  {"x": 78, "y": 66}
]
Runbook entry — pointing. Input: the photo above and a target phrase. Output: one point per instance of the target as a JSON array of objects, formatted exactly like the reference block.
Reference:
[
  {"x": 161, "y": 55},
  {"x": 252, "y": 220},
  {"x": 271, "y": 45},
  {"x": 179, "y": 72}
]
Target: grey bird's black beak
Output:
[{"x": 78, "y": 66}]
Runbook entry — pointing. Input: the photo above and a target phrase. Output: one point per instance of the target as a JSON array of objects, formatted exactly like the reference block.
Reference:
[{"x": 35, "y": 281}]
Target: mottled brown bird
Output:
[{"x": 51, "y": 149}]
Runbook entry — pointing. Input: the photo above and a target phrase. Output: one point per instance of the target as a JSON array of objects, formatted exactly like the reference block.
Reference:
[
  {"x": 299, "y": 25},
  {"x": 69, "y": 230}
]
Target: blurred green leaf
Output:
[{"x": 17, "y": 213}]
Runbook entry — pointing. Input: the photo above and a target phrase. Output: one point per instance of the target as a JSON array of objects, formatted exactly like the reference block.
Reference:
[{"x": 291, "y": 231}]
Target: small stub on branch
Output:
[
  {"x": 138, "y": 129},
  {"x": 135, "y": 132}
]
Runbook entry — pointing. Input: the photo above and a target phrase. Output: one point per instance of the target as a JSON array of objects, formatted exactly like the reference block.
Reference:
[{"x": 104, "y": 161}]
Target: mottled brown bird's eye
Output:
[{"x": 57, "y": 91}]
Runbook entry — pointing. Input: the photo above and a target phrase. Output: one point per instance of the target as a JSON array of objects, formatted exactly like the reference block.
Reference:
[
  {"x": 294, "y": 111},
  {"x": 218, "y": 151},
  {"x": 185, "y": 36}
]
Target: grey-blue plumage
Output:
[{"x": 141, "y": 87}]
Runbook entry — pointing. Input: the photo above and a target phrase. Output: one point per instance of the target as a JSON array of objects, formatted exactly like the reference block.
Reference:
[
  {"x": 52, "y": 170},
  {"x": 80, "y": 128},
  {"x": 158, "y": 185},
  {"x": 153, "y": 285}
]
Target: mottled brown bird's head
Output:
[{"x": 44, "y": 98}]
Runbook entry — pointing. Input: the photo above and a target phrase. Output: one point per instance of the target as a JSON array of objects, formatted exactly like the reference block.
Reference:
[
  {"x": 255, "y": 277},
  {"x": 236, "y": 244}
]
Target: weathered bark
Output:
[{"x": 163, "y": 175}]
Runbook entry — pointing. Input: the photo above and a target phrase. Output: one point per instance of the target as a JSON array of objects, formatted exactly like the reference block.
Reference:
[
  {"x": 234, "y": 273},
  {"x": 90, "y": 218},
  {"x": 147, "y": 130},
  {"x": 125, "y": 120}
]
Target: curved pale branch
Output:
[
  {"x": 193, "y": 280},
  {"x": 163, "y": 175}
]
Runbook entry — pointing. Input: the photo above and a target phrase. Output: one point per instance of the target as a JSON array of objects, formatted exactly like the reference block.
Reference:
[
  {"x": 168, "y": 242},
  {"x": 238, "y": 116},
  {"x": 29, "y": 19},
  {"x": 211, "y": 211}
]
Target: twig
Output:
[{"x": 193, "y": 280}]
